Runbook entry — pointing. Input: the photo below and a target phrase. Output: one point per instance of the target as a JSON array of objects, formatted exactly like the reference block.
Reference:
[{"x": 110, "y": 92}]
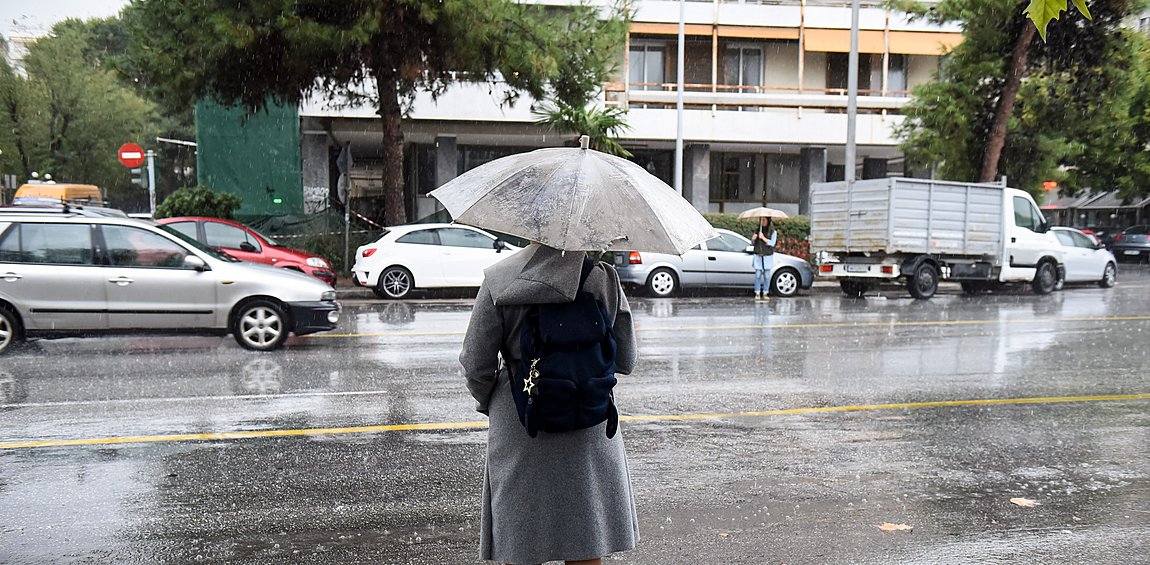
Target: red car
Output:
[{"x": 247, "y": 244}]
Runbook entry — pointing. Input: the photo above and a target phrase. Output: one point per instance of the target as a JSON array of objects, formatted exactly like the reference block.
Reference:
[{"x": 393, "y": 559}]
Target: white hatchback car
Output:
[
  {"x": 427, "y": 256},
  {"x": 1086, "y": 259}
]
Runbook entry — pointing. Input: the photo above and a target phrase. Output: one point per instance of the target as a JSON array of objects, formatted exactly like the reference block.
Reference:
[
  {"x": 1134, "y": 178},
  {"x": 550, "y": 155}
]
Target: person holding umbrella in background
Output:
[
  {"x": 764, "y": 260},
  {"x": 763, "y": 243}
]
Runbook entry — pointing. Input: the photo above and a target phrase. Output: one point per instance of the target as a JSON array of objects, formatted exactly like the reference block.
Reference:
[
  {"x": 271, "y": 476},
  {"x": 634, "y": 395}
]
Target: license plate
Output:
[
  {"x": 857, "y": 268},
  {"x": 1131, "y": 252}
]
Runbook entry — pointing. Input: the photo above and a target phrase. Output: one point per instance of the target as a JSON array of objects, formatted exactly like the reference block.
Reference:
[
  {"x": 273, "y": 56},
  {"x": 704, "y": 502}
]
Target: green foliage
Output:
[
  {"x": 602, "y": 125},
  {"x": 1073, "y": 103},
  {"x": 68, "y": 117},
  {"x": 798, "y": 227},
  {"x": 199, "y": 201},
  {"x": 249, "y": 52},
  {"x": 1042, "y": 12},
  {"x": 794, "y": 232}
]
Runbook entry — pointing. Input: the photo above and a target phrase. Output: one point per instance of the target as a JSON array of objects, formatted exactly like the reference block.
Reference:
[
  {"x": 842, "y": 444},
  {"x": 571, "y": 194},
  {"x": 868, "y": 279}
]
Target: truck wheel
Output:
[
  {"x": 1045, "y": 278},
  {"x": 662, "y": 283},
  {"x": 853, "y": 289},
  {"x": 924, "y": 283}
]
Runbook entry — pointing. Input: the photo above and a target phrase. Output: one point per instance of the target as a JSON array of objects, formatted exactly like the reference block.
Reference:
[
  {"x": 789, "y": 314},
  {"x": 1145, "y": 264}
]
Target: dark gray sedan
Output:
[
  {"x": 722, "y": 262},
  {"x": 1133, "y": 244}
]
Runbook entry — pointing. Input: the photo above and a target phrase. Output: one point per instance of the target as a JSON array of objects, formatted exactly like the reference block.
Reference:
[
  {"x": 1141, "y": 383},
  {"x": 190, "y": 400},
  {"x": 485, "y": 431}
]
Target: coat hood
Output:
[{"x": 536, "y": 275}]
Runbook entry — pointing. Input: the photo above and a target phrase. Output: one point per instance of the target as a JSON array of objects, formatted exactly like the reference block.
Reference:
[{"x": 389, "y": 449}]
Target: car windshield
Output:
[{"x": 197, "y": 245}]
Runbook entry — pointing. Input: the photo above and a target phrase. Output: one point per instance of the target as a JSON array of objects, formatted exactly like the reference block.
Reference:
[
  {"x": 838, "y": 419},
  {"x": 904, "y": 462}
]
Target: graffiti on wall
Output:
[{"x": 315, "y": 199}]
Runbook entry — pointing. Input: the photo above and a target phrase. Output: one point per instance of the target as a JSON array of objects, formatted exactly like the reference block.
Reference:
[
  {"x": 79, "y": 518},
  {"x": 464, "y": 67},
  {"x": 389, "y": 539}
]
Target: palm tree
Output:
[{"x": 599, "y": 124}]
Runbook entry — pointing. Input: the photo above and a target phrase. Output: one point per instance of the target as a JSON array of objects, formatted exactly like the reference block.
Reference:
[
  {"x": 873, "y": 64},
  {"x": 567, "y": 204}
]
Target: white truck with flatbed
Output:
[{"x": 919, "y": 231}]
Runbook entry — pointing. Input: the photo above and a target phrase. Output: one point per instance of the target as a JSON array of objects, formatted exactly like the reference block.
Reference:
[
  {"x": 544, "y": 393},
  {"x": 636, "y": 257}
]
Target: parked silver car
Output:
[
  {"x": 68, "y": 274},
  {"x": 720, "y": 262}
]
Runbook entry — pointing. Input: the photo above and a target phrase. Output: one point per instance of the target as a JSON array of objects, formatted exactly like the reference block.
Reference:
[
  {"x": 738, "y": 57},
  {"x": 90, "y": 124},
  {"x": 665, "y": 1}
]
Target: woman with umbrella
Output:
[
  {"x": 557, "y": 495},
  {"x": 763, "y": 241},
  {"x": 565, "y": 495}
]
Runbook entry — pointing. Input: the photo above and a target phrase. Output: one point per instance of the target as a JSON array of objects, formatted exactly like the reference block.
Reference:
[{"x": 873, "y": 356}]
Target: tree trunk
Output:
[
  {"x": 1002, "y": 113},
  {"x": 391, "y": 114}
]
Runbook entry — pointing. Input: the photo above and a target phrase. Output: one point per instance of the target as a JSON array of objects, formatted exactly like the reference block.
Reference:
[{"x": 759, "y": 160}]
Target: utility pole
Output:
[
  {"x": 679, "y": 100},
  {"x": 852, "y": 95}
]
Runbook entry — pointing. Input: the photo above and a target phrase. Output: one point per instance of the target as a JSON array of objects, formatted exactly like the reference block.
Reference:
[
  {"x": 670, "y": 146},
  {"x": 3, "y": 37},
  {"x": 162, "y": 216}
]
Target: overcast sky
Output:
[{"x": 35, "y": 17}]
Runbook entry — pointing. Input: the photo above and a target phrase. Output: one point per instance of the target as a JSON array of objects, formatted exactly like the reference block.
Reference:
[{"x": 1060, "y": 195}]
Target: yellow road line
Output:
[
  {"x": 789, "y": 326},
  {"x": 637, "y": 418}
]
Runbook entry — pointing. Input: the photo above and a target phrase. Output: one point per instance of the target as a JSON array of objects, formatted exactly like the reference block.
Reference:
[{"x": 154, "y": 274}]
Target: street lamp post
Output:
[
  {"x": 679, "y": 100},
  {"x": 852, "y": 94}
]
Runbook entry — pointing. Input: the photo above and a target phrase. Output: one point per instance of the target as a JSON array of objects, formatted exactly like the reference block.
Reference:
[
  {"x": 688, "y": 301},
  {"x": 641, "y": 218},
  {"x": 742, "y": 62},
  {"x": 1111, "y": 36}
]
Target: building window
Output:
[
  {"x": 870, "y": 73},
  {"x": 647, "y": 66},
  {"x": 743, "y": 67}
]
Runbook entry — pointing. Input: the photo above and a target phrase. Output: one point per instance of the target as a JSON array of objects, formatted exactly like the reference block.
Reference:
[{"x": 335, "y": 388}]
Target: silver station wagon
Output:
[
  {"x": 722, "y": 262},
  {"x": 68, "y": 275}
]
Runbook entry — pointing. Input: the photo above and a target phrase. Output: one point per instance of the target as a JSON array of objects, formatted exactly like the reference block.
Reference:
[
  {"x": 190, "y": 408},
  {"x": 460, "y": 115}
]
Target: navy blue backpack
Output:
[{"x": 564, "y": 380}]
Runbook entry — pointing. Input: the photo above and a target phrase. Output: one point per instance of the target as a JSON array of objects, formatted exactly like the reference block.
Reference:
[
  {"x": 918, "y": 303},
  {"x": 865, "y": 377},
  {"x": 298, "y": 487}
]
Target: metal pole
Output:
[
  {"x": 347, "y": 232},
  {"x": 152, "y": 181},
  {"x": 852, "y": 93},
  {"x": 679, "y": 101}
]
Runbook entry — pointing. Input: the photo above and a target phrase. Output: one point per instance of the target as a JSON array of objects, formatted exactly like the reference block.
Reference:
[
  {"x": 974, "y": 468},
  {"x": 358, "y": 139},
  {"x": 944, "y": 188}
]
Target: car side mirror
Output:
[
  {"x": 749, "y": 249},
  {"x": 247, "y": 246},
  {"x": 194, "y": 262},
  {"x": 499, "y": 245}
]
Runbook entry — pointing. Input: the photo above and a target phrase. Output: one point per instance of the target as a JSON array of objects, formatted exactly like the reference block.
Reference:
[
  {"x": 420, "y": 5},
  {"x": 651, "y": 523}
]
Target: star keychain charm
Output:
[{"x": 532, "y": 375}]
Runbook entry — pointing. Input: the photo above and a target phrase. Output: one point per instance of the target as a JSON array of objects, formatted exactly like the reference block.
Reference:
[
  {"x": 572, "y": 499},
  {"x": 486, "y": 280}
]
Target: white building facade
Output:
[{"x": 764, "y": 96}]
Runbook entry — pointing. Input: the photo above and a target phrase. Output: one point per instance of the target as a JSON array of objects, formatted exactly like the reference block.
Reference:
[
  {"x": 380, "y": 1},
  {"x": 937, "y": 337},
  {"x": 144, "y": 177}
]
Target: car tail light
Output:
[
  {"x": 826, "y": 268},
  {"x": 368, "y": 252},
  {"x": 888, "y": 269},
  {"x": 635, "y": 258},
  {"x": 1118, "y": 237}
]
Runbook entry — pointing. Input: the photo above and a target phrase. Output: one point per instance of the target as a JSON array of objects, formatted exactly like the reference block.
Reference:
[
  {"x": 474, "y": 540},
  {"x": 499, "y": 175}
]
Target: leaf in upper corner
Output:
[{"x": 1041, "y": 12}]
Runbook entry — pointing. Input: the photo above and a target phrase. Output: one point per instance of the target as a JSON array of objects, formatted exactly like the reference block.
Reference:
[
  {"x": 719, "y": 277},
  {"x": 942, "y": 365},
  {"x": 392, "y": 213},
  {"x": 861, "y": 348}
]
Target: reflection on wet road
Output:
[{"x": 756, "y": 432}]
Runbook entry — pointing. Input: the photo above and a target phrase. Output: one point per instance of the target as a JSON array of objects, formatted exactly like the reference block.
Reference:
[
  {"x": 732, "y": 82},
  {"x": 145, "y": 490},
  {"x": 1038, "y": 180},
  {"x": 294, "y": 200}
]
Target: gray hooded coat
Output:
[{"x": 555, "y": 496}]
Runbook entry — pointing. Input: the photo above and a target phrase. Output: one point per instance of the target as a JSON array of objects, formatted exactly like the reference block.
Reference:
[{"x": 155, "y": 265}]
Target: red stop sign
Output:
[{"x": 131, "y": 155}]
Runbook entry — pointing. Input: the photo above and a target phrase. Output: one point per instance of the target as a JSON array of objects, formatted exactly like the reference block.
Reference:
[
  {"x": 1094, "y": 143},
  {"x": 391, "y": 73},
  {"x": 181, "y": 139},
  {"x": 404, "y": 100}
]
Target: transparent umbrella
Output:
[
  {"x": 762, "y": 212},
  {"x": 576, "y": 199}
]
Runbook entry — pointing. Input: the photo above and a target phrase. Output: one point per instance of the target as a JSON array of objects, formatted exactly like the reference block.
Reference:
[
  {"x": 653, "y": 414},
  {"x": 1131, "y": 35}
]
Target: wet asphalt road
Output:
[{"x": 783, "y": 432}]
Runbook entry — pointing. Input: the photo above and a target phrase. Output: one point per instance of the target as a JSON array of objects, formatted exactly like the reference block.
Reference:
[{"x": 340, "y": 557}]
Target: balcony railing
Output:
[{"x": 732, "y": 97}]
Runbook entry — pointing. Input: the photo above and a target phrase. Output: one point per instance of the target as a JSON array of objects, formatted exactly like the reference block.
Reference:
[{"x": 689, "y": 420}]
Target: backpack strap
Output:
[{"x": 588, "y": 266}]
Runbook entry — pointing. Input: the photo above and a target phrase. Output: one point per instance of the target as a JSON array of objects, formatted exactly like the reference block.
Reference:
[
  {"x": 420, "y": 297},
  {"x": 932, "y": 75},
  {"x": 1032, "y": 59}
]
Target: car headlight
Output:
[
  {"x": 328, "y": 296},
  {"x": 318, "y": 262}
]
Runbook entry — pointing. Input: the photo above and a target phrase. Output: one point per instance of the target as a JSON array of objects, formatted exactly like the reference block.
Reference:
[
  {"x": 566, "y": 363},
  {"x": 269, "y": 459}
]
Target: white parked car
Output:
[
  {"x": 427, "y": 256},
  {"x": 1086, "y": 259}
]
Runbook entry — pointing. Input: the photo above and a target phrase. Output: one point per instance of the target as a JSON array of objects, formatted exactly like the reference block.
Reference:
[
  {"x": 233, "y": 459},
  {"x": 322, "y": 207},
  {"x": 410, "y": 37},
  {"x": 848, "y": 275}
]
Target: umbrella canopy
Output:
[
  {"x": 576, "y": 199},
  {"x": 761, "y": 212}
]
